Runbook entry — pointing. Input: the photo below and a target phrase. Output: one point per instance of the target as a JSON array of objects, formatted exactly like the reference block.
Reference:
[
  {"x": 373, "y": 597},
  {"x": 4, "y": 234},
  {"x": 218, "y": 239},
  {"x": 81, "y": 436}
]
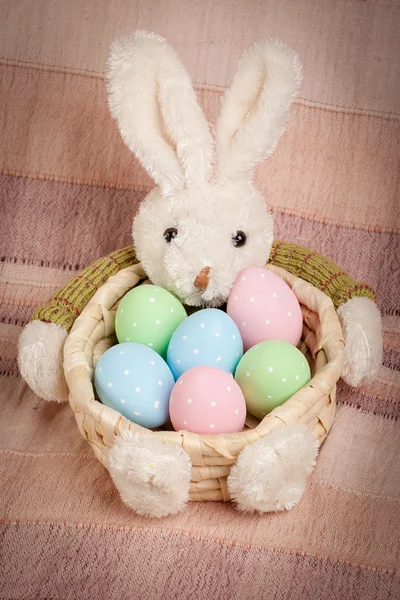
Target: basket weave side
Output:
[{"x": 211, "y": 454}]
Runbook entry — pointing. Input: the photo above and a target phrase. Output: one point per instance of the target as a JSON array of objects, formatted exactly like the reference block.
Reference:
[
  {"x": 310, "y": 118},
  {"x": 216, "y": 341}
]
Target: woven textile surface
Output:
[{"x": 68, "y": 192}]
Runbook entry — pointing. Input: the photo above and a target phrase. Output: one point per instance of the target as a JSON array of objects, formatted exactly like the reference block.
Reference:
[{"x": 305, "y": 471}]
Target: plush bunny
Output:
[{"x": 204, "y": 222}]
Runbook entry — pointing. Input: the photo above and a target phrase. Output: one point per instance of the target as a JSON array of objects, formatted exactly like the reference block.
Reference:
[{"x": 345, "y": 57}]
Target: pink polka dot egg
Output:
[
  {"x": 206, "y": 399},
  {"x": 264, "y": 308}
]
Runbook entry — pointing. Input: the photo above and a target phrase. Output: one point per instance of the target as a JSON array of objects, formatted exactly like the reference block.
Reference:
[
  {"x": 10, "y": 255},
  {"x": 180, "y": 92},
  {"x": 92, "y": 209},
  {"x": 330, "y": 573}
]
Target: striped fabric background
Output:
[{"x": 68, "y": 192}]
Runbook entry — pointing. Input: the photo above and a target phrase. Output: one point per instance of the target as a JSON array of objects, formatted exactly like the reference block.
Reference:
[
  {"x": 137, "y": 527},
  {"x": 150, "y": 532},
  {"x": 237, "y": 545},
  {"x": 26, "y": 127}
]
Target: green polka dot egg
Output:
[
  {"x": 269, "y": 374},
  {"x": 149, "y": 315}
]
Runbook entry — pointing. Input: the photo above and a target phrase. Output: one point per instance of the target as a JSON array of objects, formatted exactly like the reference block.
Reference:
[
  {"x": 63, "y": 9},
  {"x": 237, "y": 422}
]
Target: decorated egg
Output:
[
  {"x": 264, "y": 307},
  {"x": 134, "y": 380},
  {"x": 269, "y": 374},
  {"x": 207, "y": 400},
  {"x": 148, "y": 315},
  {"x": 208, "y": 337}
]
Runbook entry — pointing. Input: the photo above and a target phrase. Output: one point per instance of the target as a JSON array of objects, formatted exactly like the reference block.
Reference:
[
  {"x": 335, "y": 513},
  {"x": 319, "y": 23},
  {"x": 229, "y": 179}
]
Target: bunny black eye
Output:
[
  {"x": 239, "y": 239},
  {"x": 170, "y": 234}
]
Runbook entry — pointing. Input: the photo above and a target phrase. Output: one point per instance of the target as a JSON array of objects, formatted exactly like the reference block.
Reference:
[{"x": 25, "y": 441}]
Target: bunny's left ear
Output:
[{"x": 255, "y": 108}]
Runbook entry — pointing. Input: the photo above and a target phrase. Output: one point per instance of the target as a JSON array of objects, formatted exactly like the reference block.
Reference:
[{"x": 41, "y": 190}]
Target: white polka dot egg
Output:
[
  {"x": 264, "y": 307},
  {"x": 269, "y": 374},
  {"x": 207, "y": 400},
  {"x": 134, "y": 380},
  {"x": 208, "y": 337},
  {"x": 148, "y": 315}
]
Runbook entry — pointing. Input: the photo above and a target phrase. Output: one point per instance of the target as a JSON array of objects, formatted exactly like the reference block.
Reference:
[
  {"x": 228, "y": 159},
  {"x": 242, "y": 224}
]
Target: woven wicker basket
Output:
[{"x": 211, "y": 455}]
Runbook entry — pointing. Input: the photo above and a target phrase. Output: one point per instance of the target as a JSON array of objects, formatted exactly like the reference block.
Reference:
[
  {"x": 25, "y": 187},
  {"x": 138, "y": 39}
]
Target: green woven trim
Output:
[
  {"x": 320, "y": 271},
  {"x": 68, "y": 303}
]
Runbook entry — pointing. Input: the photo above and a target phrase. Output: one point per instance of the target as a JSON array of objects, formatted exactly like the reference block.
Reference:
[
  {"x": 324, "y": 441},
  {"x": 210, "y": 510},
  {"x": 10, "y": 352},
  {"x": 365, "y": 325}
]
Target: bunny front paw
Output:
[
  {"x": 271, "y": 474},
  {"x": 40, "y": 360},
  {"x": 362, "y": 328},
  {"x": 152, "y": 477}
]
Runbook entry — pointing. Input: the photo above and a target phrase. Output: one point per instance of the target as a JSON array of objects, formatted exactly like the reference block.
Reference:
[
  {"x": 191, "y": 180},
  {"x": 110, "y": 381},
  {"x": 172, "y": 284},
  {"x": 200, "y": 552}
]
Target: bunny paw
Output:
[
  {"x": 153, "y": 478},
  {"x": 362, "y": 328},
  {"x": 271, "y": 474},
  {"x": 40, "y": 360}
]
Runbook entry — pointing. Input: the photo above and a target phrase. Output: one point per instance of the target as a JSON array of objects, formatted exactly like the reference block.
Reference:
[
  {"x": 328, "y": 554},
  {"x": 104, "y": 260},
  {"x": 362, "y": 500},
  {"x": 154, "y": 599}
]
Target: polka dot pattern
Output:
[
  {"x": 206, "y": 399},
  {"x": 134, "y": 380},
  {"x": 149, "y": 315},
  {"x": 264, "y": 308},
  {"x": 266, "y": 388},
  {"x": 207, "y": 337}
]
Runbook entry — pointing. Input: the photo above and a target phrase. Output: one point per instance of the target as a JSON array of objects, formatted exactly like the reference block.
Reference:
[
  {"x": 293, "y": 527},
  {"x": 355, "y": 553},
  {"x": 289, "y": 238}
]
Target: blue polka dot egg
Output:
[
  {"x": 134, "y": 380},
  {"x": 208, "y": 337}
]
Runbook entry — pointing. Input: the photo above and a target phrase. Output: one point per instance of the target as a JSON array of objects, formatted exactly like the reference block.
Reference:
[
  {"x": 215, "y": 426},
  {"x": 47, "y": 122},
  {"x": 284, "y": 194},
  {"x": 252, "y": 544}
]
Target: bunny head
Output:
[{"x": 204, "y": 222}]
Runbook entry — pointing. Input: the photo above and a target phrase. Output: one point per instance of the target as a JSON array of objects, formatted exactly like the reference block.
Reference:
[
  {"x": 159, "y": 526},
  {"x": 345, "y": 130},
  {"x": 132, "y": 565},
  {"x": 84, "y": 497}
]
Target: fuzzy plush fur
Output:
[
  {"x": 255, "y": 108},
  {"x": 362, "y": 327},
  {"x": 152, "y": 98},
  {"x": 152, "y": 478},
  {"x": 271, "y": 474},
  {"x": 40, "y": 360},
  {"x": 205, "y": 222}
]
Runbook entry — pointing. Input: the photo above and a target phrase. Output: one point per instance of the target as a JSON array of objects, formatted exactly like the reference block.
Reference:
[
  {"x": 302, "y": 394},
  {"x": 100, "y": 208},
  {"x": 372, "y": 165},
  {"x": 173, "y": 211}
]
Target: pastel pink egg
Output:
[
  {"x": 207, "y": 400},
  {"x": 264, "y": 308}
]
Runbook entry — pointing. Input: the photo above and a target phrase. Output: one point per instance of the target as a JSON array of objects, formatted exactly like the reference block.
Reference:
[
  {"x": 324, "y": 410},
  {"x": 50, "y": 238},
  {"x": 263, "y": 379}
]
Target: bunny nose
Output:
[{"x": 202, "y": 279}]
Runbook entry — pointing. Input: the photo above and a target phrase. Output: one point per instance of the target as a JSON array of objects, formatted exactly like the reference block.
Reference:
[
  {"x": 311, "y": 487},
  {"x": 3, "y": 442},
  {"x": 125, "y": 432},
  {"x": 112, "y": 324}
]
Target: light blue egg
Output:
[
  {"x": 209, "y": 337},
  {"x": 134, "y": 380}
]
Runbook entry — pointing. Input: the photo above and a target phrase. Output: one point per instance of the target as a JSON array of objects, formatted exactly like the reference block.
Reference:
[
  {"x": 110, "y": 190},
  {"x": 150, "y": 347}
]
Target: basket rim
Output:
[{"x": 327, "y": 346}]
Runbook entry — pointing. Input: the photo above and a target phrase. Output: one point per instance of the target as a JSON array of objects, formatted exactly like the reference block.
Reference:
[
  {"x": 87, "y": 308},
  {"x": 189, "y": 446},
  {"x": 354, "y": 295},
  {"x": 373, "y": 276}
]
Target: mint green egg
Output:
[
  {"x": 149, "y": 315},
  {"x": 269, "y": 374}
]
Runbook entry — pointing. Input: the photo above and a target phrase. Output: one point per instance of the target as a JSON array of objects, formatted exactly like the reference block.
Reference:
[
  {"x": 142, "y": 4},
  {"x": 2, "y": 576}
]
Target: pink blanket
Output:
[{"x": 68, "y": 192}]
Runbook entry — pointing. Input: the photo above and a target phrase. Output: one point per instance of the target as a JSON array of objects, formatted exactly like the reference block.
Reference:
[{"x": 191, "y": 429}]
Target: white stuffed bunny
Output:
[{"x": 204, "y": 222}]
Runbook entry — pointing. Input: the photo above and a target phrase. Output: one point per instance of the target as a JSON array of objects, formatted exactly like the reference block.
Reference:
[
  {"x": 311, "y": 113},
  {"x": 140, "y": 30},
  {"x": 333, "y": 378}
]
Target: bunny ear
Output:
[
  {"x": 255, "y": 108},
  {"x": 153, "y": 101}
]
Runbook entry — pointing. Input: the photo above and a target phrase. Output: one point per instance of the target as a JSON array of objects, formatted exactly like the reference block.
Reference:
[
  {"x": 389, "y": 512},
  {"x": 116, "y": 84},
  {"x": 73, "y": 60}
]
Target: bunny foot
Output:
[
  {"x": 153, "y": 478},
  {"x": 40, "y": 360},
  {"x": 271, "y": 474},
  {"x": 362, "y": 328}
]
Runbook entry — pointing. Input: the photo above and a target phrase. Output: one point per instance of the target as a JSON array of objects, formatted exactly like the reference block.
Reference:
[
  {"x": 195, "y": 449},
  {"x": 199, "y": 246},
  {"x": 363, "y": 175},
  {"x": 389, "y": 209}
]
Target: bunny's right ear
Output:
[
  {"x": 255, "y": 108},
  {"x": 153, "y": 101}
]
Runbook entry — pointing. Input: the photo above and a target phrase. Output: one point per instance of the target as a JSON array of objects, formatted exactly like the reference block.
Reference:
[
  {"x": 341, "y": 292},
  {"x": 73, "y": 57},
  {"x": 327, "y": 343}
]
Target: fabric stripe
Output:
[
  {"x": 62, "y": 107},
  {"x": 97, "y": 563},
  {"x": 361, "y": 454},
  {"x": 33, "y": 426},
  {"x": 102, "y": 220},
  {"x": 24, "y": 287},
  {"x": 63, "y": 225},
  {"x": 379, "y": 399},
  {"x": 357, "y": 474},
  {"x": 372, "y": 257},
  {"x": 359, "y": 70},
  {"x": 91, "y": 498}
]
